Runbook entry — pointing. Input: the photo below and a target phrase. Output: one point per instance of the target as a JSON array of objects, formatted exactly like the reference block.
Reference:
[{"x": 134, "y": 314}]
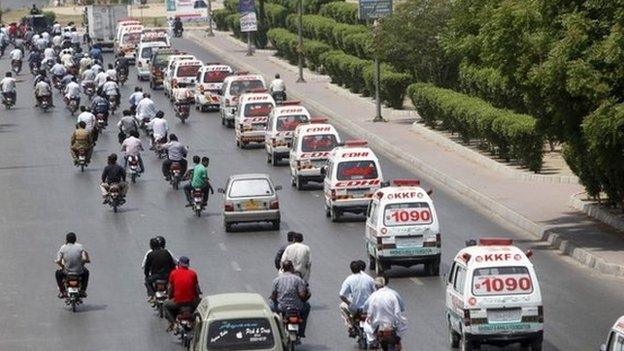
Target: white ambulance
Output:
[
  {"x": 233, "y": 87},
  {"x": 615, "y": 340},
  {"x": 311, "y": 146},
  {"x": 493, "y": 297},
  {"x": 251, "y": 117},
  {"x": 128, "y": 42},
  {"x": 209, "y": 83},
  {"x": 123, "y": 24},
  {"x": 153, "y": 35},
  {"x": 144, "y": 55},
  {"x": 170, "y": 72},
  {"x": 402, "y": 228},
  {"x": 352, "y": 176},
  {"x": 283, "y": 121}
]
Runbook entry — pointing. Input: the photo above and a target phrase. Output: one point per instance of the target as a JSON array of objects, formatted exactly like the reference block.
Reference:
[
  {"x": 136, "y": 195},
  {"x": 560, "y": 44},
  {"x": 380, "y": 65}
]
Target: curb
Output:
[
  {"x": 463, "y": 192},
  {"x": 596, "y": 211}
]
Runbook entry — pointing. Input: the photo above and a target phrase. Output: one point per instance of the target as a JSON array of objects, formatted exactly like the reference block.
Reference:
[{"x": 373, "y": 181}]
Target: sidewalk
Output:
[{"x": 535, "y": 206}]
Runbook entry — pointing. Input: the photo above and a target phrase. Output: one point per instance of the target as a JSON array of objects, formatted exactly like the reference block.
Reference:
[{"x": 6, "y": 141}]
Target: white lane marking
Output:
[
  {"x": 236, "y": 266},
  {"x": 222, "y": 247},
  {"x": 417, "y": 281},
  {"x": 249, "y": 288}
]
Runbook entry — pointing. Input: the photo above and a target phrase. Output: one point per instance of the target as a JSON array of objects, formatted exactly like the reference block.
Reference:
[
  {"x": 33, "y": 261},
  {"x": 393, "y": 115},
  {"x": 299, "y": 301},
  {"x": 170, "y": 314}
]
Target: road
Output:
[{"x": 44, "y": 197}]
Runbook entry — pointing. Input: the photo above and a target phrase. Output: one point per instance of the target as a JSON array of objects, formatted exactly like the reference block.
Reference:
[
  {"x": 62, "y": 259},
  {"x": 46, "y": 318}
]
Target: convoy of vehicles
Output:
[
  {"x": 145, "y": 51},
  {"x": 311, "y": 147}
]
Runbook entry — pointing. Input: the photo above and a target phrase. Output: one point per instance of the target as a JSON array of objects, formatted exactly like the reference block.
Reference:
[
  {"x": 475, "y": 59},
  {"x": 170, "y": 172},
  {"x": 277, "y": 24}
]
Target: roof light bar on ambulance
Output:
[
  {"x": 319, "y": 120},
  {"x": 406, "y": 182},
  {"x": 495, "y": 242},
  {"x": 356, "y": 143},
  {"x": 291, "y": 103}
]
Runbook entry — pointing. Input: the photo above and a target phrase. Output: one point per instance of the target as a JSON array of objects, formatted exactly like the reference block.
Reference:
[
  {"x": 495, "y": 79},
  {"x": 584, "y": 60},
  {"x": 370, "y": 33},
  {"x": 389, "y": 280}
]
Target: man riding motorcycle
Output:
[
  {"x": 158, "y": 265},
  {"x": 122, "y": 65},
  {"x": 184, "y": 291},
  {"x": 100, "y": 105},
  {"x": 278, "y": 87},
  {"x": 43, "y": 89},
  {"x": 199, "y": 180},
  {"x": 181, "y": 96},
  {"x": 90, "y": 122},
  {"x": 34, "y": 60},
  {"x": 58, "y": 71},
  {"x": 7, "y": 85},
  {"x": 16, "y": 56},
  {"x": 111, "y": 72},
  {"x": 72, "y": 91},
  {"x": 110, "y": 89},
  {"x": 135, "y": 98},
  {"x": 384, "y": 309},
  {"x": 71, "y": 258},
  {"x": 113, "y": 174},
  {"x": 354, "y": 292},
  {"x": 176, "y": 152},
  {"x": 146, "y": 109},
  {"x": 127, "y": 124},
  {"x": 160, "y": 128},
  {"x": 299, "y": 255},
  {"x": 132, "y": 146},
  {"x": 178, "y": 27},
  {"x": 81, "y": 139},
  {"x": 290, "y": 292}
]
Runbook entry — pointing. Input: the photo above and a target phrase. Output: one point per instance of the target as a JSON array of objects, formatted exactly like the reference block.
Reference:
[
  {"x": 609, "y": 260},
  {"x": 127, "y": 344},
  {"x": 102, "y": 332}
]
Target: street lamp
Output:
[{"x": 300, "y": 41}]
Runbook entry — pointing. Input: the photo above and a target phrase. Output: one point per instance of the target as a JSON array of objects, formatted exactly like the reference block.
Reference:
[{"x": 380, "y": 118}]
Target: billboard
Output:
[
  {"x": 187, "y": 10},
  {"x": 248, "y": 22}
]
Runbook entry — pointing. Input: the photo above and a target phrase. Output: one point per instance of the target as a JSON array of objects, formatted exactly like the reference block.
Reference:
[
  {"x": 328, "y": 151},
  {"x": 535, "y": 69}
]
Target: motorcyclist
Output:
[
  {"x": 81, "y": 139},
  {"x": 277, "y": 86},
  {"x": 121, "y": 64},
  {"x": 101, "y": 78},
  {"x": 354, "y": 292},
  {"x": 110, "y": 89},
  {"x": 88, "y": 75},
  {"x": 96, "y": 53},
  {"x": 176, "y": 152},
  {"x": 299, "y": 255},
  {"x": 163, "y": 244},
  {"x": 146, "y": 108},
  {"x": 58, "y": 71},
  {"x": 158, "y": 265},
  {"x": 135, "y": 98},
  {"x": 199, "y": 180},
  {"x": 184, "y": 290},
  {"x": 384, "y": 308},
  {"x": 7, "y": 85},
  {"x": 43, "y": 89},
  {"x": 66, "y": 80},
  {"x": 291, "y": 292},
  {"x": 127, "y": 124},
  {"x": 290, "y": 238},
  {"x": 71, "y": 258},
  {"x": 132, "y": 146},
  {"x": 111, "y": 72},
  {"x": 75, "y": 38},
  {"x": 16, "y": 56},
  {"x": 67, "y": 58},
  {"x": 181, "y": 96},
  {"x": 159, "y": 128},
  {"x": 113, "y": 174},
  {"x": 34, "y": 60},
  {"x": 72, "y": 91},
  {"x": 85, "y": 63},
  {"x": 177, "y": 25},
  {"x": 56, "y": 28},
  {"x": 100, "y": 105}
]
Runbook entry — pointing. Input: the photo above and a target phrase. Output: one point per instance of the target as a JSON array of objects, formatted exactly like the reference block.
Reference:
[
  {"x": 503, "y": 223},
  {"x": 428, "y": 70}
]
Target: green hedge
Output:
[
  {"x": 275, "y": 15},
  {"x": 231, "y": 5},
  {"x": 392, "y": 85},
  {"x": 358, "y": 44},
  {"x": 220, "y": 18},
  {"x": 345, "y": 69},
  {"x": 233, "y": 22},
  {"x": 285, "y": 43},
  {"x": 490, "y": 85},
  {"x": 343, "y": 12},
  {"x": 342, "y": 30},
  {"x": 511, "y": 135},
  {"x": 314, "y": 6}
]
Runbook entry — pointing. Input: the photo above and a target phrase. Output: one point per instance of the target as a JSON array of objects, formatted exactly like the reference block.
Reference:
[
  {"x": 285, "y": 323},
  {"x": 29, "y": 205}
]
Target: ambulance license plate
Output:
[
  {"x": 504, "y": 315},
  {"x": 409, "y": 241}
]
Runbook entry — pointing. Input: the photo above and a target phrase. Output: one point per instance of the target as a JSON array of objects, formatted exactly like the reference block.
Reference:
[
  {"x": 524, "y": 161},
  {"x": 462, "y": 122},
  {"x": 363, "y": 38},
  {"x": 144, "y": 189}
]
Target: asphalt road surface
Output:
[{"x": 44, "y": 197}]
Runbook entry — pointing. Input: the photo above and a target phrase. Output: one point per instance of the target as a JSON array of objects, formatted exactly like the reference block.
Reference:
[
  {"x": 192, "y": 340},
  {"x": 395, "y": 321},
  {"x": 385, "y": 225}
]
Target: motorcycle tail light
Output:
[
  {"x": 293, "y": 320},
  {"x": 72, "y": 283},
  {"x": 175, "y": 167}
]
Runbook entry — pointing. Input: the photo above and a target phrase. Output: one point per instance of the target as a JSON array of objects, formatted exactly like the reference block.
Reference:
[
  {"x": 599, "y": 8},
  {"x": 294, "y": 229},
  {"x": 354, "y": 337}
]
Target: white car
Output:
[
  {"x": 233, "y": 87},
  {"x": 209, "y": 83},
  {"x": 144, "y": 55}
]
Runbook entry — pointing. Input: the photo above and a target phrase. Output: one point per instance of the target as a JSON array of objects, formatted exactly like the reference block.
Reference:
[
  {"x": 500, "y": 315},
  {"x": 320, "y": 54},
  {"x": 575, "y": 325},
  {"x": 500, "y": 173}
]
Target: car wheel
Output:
[
  {"x": 334, "y": 214},
  {"x": 327, "y": 212},
  {"x": 300, "y": 183},
  {"x": 269, "y": 160},
  {"x": 276, "y": 225},
  {"x": 453, "y": 336},
  {"x": 465, "y": 344},
  {"x": 228, "y": 227},
  {"x": 222, "y": 120},
  {"x": 380, "y": 268},
  {"x": 371, "y": 262},
  {"x": 275, "y": 160},
  {"x": 536, "y": 345}
]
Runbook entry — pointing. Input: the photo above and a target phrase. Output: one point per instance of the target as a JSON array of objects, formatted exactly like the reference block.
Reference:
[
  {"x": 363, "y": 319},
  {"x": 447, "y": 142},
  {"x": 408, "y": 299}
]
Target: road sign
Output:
[
  {"x": 374, "y": 9},
  {"x": 248, "y": 22},
  {"x": 246, "y": 6}
]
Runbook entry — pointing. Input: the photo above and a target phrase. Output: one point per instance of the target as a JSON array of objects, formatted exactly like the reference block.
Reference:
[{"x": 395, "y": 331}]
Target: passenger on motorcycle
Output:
[
  {"x": 72, "y": 91},
  {"x": 101, "y": 78},
  {"x": 34, "y": 59},
  {"x": 113, "y": 174},
  {"x": 66, "y": 80},
  {"x": 176, "y": 152},
  {"x": 354, "y": 292},
  {"x": 132, "y": 146},
  {"x": 158, "y": 265},
  {"x": 299, "y": 255},
  {"x": 90, "y": 122},
  {"x": 177, "y": 25},
  {"x": 199, "y": 180},
  {"x": 8, "y": 87},
  {"x": 146, "y": 108},
  {"x": 43, "y": 89},
  {"x": 100, "y": 105},
  {"x": 16, "y": 56},
  {"x": 135, "y": 98},
  {"x": 58, "y": 70},
  {"x": 71, "y": 258},
  {"x": 88, "y": 76},
  {"x": 81, "y": 139},
  {"x": 384, "y": 308},
  {"x": 96, "y": 53},
  {"x": 111, "y": 72},
  {"x": 290, "y": 238},
  {"x": 67, "y": 58},
  {"x": 277, "y": 86},
  {"x": 85, "y": 63},
  {"x": 160, "y": 128},
  {"x": 291, "y": 292},
  {"x": 184, "y": 290},
  {"x": 127, "y": 124},
  {"x": 182, "y": 96},
  {"x": 110, "y": 88}
]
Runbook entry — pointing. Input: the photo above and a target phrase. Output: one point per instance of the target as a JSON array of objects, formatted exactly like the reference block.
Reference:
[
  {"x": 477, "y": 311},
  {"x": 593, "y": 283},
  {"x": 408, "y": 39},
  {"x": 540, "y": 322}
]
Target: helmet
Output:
[{"x": 161, "y": 241}]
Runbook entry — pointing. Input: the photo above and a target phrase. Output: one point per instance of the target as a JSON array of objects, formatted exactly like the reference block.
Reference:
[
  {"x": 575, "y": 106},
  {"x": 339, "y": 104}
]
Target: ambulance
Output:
[
  {"x": 311, "y": 146},
  {"x": 209, "y": 83},
  {"x": 283, "y": 121},
  {"x": 153, "y": 35},
  {"x": 170, "y": 71},
  {"x": 128, "y": 42},
  {"x": 233, "y": 87},
  {"x": 402, "y": 228},
  {"x": 145, "y": 51},
  {"x": 352, "y": 176},
  {"x": 251, "y": 117},
  {"x": 493, "y": 297},
  {"x": 122, "y": 24},
  {"x": 615, "y": 340}
]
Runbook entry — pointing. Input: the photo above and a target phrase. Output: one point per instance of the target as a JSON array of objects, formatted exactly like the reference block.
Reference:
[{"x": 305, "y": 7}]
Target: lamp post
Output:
[
  {"x": 300, "y": 40},
  {"x": 377, "y": 76},
  {"x": 210, "y": 33}
]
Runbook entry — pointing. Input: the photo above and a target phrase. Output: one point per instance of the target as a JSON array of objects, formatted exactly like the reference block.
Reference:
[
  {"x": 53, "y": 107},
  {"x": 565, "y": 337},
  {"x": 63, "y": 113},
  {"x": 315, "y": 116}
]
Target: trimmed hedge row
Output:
[
  {"x": 220, "y": 18},
  {"x": 510, "y": 135},
  {"x": 233, "y": 22},
  {"x": 392, "y": 84},
  {"x": 490, "y": 85},
  {"x": 345, "y": 69},
  {"x": 285, "y": 43},
  {"x": 276, "y": 15},
  {"x": 343, "y": 12}
]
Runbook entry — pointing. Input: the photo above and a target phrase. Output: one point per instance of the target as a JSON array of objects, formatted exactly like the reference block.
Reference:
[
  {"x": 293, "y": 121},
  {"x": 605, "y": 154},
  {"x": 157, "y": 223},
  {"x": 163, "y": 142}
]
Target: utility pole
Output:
[
  {"x": 210, "y": 32},
  {"x": 300, "y": 41},
  {"x": 377, "y": 75},
  {"x": 249, "y": 48}
]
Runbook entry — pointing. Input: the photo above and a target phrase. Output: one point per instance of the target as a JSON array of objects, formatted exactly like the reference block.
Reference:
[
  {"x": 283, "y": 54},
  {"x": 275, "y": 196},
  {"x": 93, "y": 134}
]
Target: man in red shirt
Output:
[{"x": 183, "y": 290}]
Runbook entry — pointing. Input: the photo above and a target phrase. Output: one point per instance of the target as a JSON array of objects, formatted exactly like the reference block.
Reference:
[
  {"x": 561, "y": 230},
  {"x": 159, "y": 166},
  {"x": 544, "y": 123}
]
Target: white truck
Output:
[{"x": 102, "y": 23}]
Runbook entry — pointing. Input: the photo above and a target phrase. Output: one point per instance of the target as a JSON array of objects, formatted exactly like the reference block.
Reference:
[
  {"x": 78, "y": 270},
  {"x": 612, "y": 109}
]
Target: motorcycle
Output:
[
  {"x": 182, "y": 111},
  {"x": 160, "y": 296},
  {"x": 359, "y": 319},
  {"x": 198, "y": 201},
  {"x": 82, "y": 159},
  {"x": 113, "y": 102},
  {"x": 184, "y": 326},
  {"x": 89, "y": 88},
  {"x": 73, "y": 284},
  {"x": 279, "y": 97},
  {"x": 177, "y": 32},
  {"x": 175, "y": 174},
  {"x": 46, "y": 103},
  {"x": 72, "y": 105},
  {"x": 387, "y": 338},
  {"x": 16, "y": 66},
  {"x": 8, "y": 101},
  {"x": 161, "y": 153},
  {"x": 114, "y": 197},
  {"x": 101, "y": 122},
  {"x": 133, "y": 168},
  {"x": 123, "y": 77},
  {"x": 291, "y": 320}
]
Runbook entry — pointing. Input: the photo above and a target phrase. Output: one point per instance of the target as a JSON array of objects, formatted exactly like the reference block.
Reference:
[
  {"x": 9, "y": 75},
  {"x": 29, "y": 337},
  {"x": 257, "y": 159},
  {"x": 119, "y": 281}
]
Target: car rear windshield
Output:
[
  {"x": 155, "y": 39},
  {"x": 493, "y": 281},
  {"x": 250, "y": 188},
  {"x": 409, "y": 213},
  {"x": 324, "y": 142},
  {"x": 146, "y": 52},
  {"x": 242, "y": 86},
  {"x": 240, "y": 334},
  {"x": 215, "y": 76},
  {"x": 188, "y": 71},
  {"x": 287, "y": 123},
  {"x": 131, "y": 38},
  {"x": 356, "y": 170},
  {"x": 259, "y": 109},
  {"x": 160, "y": 59}
]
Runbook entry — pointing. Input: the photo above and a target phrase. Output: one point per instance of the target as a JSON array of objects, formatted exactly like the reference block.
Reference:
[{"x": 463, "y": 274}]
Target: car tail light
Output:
[
  {"x": 432, "y": 241},
  {"x": 140, "y": 64},
  {"x": 273, "y": 142},
  {"x": 274, "y": 205},
  {"x": 228, "y": 207},
  {"x": 333, "y": 194}
]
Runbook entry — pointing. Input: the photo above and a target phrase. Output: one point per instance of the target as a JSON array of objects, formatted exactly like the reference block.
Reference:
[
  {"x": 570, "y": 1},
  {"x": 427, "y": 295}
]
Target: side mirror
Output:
[
  {"x": 221, "y": 191},
  {"x": 603, "y": 347},
  {"x": 430, "y": 191},
  {"x": 147, "y": 62},
  {"x": 385, "y": 184},
  {"x": 324, "y": 170},
  {"x": 278, "y": 187}
]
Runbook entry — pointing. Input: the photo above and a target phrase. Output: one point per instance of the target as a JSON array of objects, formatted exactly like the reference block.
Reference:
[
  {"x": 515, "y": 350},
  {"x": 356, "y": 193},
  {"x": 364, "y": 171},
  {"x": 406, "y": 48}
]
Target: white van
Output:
[
  {"x": 251, "y": 117},
  {"x": 283, "y": 121},
  {"x": 169, "y": 71},
  {"x": 615, "y": 340},
  {"x": 144, "y": 55},
  {"x": 129, "y": 41},
  {"x": 352, "y": 176},
  {"x": 123, "y": 25},
  {"x": 311, "y": 147},
  {"x": 153, "y": 35},
  {"x": 209, "y": 84},
  {"x": 493, "y": 297},
  {"x": 233, "y": 87},
  {"x": 402, "y": 228}
]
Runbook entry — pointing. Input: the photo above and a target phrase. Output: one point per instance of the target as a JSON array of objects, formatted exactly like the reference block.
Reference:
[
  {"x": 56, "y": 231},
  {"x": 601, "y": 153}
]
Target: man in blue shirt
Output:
[{"x": 354, "y": 292}]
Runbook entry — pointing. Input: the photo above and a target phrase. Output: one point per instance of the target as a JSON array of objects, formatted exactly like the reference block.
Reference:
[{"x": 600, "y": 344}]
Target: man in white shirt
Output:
[
  {"x": 159, "y": 127},
  {"x": 100, "y": 79},
  {"x": 384, "y": 310},
  {"x": 88, "y": 75},
  {"x": 7, "y": 85},
  {"x": 96, "y": 68},
  {"x": 43, "y": 89},
  {"x": 87, "y": 117},
  {"x": 16, "y": 55},
  {"x": 135, "y": 98},
  {"x": 110, "y": 88},
  {"x": 132, "y": 146},
  {"x": 85, "y": 63},
  {"x": 111, "y": 72},
  {"x": 354, "y": 292},
  {"x": 72, "y": 90},
  {"x": 58, "y": 70},
  {"x": 299, "y": 255},
  {"x": 49, "y": 53},
  {"x": 145, "y": 108}
]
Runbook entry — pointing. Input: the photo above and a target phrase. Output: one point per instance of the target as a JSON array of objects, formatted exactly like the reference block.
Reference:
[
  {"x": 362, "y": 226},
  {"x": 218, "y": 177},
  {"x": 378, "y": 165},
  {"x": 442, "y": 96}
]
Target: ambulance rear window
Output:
[
  {"x": 356, "y": 170},
  {"x": 324, "y": 142},
  {"x": 412, "y": 213},
  {"x": 259, "y": 109},
  {"x": 287, "y": 123},
  {"x": 188, "y": 71},
  {"x": 131, "y": 38},
  {"x": 493, "y": 281},
  {"x": 215, "y": 76},
  {"x": 241, "y": 86}
]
